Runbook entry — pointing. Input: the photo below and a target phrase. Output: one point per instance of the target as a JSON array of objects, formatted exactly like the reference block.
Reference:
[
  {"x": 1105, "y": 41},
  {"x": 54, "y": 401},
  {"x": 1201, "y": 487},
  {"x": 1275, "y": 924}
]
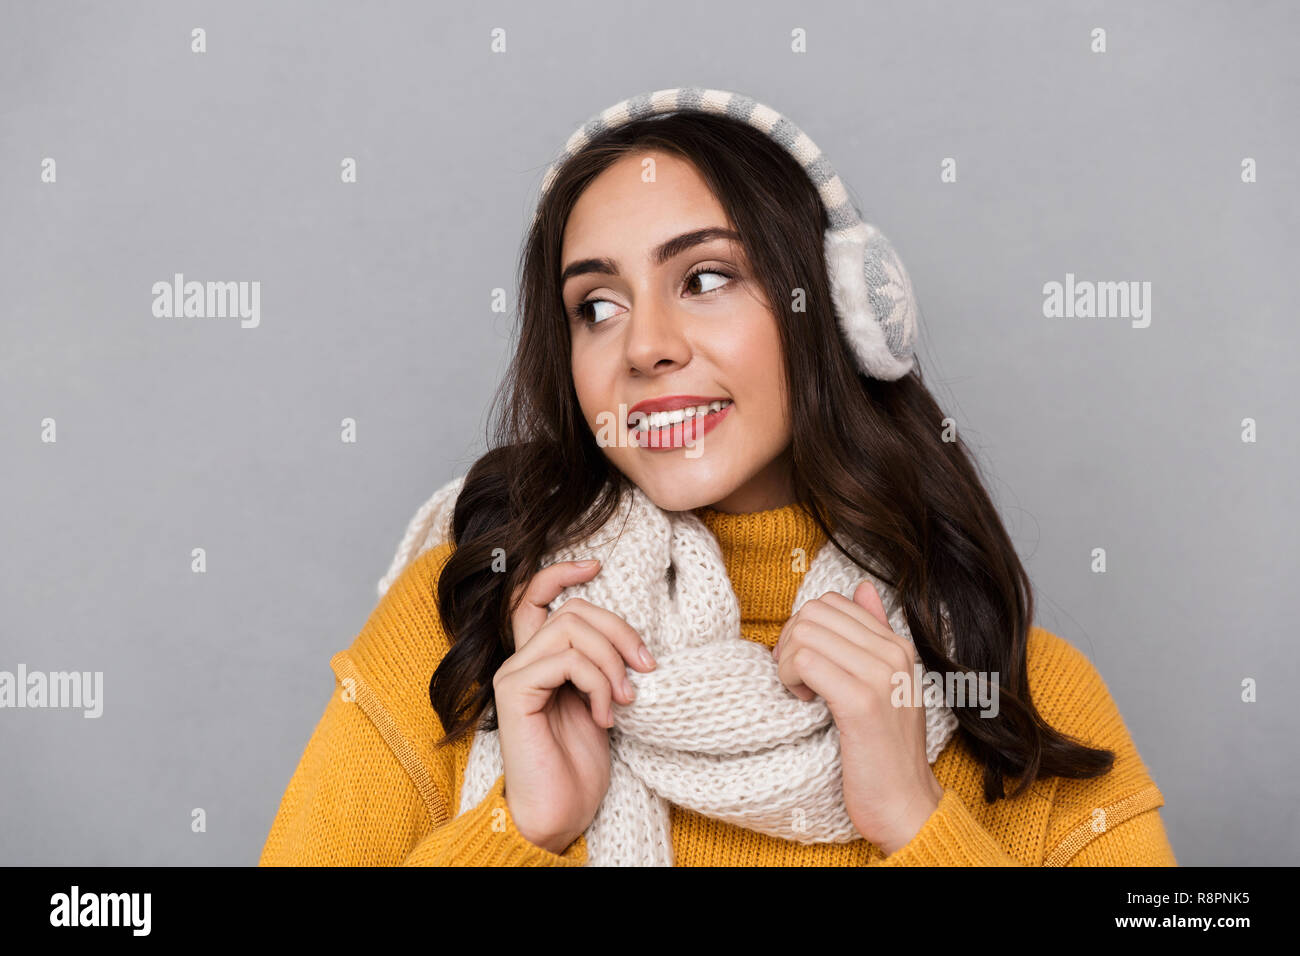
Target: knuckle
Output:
[
  {"x": 579, "y": 663},
  {"x": 903, "y": 658},
  {"x": 559, "y": 623}
]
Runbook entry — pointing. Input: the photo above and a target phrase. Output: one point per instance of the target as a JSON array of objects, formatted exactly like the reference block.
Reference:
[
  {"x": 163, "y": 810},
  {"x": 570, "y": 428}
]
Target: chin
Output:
[
  {"x": 679, "y": 501},
  {"x": 677, "y": 489}
]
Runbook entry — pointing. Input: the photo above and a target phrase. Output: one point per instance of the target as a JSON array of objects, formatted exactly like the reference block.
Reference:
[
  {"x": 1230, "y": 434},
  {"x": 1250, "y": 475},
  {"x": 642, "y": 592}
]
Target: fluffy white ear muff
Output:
[{"x": 873, "y": 300}]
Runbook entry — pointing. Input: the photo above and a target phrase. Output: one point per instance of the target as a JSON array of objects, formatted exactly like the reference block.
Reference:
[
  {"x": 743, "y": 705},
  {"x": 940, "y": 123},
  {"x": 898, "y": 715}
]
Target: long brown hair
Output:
[{"x": 913, "y": 500}]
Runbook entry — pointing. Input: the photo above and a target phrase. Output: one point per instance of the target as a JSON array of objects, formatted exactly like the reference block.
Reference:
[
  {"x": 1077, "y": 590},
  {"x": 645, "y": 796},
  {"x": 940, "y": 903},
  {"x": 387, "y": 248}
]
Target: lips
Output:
[{"x": 675, "y": 429}]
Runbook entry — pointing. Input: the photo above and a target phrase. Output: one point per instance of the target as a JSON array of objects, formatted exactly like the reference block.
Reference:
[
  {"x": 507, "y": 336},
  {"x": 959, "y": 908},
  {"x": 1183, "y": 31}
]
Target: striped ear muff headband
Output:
[{"x": 871, "y": 291}]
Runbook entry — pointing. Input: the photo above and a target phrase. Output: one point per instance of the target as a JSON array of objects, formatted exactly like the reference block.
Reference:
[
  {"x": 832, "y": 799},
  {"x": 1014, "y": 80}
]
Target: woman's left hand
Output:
[{"x": 845, "y": 652}]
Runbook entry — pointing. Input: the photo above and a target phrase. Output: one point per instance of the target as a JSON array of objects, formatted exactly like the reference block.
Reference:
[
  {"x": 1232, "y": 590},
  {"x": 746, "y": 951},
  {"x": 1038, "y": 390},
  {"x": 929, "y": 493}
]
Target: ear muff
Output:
[{"x": 871, "y": 291}]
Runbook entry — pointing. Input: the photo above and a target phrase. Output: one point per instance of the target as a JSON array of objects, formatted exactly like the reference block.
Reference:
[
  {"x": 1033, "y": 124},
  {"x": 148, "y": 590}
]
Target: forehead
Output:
[{"x": 636, "y": 202}]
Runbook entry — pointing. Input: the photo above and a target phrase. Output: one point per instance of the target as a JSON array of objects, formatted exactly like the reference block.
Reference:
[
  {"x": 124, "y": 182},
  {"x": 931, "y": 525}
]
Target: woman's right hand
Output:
[{"x": 554, "y": 740}]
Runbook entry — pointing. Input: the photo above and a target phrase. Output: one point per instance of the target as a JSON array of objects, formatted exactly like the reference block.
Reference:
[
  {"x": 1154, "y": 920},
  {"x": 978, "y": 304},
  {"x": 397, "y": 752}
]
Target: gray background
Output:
[{"x": 176, "y": 433}]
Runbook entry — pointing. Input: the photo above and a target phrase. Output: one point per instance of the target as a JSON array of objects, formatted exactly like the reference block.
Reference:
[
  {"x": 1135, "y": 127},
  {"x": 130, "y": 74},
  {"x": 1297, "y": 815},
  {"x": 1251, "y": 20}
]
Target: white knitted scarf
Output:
[{"x": 712, "y": 728}]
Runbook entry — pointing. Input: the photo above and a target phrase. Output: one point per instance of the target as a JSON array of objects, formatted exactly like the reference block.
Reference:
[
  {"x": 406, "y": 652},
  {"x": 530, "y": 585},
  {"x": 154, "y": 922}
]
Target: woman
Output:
[{"x": 697, "y": 337}]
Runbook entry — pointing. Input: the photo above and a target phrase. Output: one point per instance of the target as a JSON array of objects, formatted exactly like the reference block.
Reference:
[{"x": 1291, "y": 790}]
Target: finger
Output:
[
  {"x": 622, "y": 635},
  {"x": 785, "y": 629},
  {"x": 861, "y": 663},
  {"x": 543, "y": 588},
  {"x": 853, "y": 621},
  {"x": 798, "y": 689},
  {"x": 573, "y": 630},
  {"x": 866, "y": 596},
  {"x": 879, "y": 625},
  {"x": 534, "y": 684},
  {"x": 823, "y": 677}
]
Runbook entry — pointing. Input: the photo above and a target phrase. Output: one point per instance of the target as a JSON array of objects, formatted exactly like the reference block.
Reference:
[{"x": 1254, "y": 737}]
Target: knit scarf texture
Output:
[{"x": 712, "y": 728}]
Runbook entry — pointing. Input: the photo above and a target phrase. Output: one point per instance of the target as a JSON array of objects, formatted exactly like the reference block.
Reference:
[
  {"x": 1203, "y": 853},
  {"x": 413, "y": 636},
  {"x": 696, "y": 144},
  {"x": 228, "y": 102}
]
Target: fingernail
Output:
[
  {"x": 628, "y": 691},
  {"x": 589, "y": 563},
  {"x": 646, "y": 659}
]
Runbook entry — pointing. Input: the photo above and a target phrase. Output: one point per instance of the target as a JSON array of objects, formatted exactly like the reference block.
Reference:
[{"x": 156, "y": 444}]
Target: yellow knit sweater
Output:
[{"x": 371, "y": 790}]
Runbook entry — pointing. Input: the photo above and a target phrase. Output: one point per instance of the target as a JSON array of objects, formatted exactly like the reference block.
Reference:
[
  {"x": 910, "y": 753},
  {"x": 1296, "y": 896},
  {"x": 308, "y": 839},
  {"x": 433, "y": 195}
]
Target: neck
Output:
[{"x": 766, "y": 554}]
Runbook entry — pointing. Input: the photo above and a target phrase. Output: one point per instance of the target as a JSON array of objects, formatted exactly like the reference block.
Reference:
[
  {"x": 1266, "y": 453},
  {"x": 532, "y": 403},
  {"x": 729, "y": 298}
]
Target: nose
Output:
[{"x": 656, "y": 339}]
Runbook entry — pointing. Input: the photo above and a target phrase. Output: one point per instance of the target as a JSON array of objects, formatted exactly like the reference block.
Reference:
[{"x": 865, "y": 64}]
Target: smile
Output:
[{"x": 674, "y": 429}]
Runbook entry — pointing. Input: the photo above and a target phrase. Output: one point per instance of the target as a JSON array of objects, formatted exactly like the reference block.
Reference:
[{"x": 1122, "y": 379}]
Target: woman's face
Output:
[{"x": 651, "y": 330}]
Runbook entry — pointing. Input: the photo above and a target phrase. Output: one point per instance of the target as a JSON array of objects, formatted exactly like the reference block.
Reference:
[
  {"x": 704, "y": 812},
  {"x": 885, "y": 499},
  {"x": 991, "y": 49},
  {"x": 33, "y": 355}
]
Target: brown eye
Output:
[
  {"x": 710, "y": 285},
  {"x": 585, "y": 311}
]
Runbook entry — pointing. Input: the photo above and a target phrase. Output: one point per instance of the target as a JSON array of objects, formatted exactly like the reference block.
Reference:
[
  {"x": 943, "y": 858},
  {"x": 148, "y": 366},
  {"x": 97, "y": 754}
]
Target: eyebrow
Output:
[{"x": 661, "y": 254}]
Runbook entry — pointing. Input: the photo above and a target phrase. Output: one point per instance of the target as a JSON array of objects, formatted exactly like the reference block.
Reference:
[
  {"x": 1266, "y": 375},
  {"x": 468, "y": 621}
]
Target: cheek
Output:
[
  {"x": 758, "y": 364},
  {"x": 581, "y": 383},
  {"x": 589, "y": 384}
]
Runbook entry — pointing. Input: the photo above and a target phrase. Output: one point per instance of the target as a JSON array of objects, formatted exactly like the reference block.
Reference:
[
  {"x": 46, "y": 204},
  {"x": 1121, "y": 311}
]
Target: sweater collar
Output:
[{"x": 766, "y": 554}]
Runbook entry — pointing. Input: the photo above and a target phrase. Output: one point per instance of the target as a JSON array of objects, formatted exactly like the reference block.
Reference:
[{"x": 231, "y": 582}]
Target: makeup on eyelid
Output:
[{"x": 579, "y": 311}]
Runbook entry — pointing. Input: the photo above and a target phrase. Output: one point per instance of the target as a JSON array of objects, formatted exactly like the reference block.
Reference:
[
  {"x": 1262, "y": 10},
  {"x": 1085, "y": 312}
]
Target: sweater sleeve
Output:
[
  {"x": 369, "y": 789},
  {"x": 950, "y": 837},
  {"x": 1112, "y": 820},
  {"x": 953, "y": 837},
  {"x": 486, "y": 836},
  {"x": 352, "y": 802},
  {"x": 1139, "y": 840}
]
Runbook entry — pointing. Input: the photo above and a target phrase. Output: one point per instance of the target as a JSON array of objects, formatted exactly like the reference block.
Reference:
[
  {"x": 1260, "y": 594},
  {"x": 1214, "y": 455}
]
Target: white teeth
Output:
[{"x": 665, "y": 419}]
